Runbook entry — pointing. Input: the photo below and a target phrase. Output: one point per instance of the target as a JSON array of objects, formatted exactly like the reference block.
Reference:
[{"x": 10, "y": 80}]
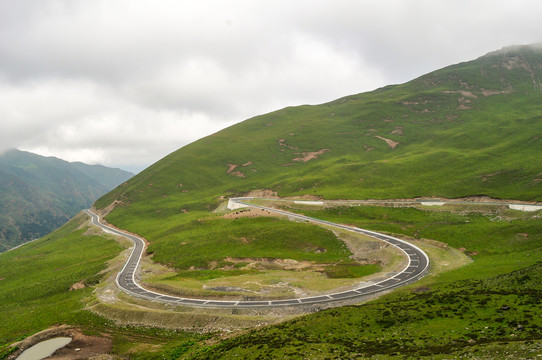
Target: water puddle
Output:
[{"x": 44, "y": 349}]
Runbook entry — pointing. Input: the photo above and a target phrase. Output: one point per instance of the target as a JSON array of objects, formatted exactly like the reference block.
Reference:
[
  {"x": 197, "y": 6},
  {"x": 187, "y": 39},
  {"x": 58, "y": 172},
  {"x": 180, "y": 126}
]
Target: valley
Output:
[{"x": 39, "y": 194}]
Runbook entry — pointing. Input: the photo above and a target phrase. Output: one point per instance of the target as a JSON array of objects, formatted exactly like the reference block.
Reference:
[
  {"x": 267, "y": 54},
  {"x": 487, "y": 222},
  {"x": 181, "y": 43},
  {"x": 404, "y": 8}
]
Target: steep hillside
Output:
[
  {"x": 38, "y": 193},
  {"x": 469, "y": 129}
]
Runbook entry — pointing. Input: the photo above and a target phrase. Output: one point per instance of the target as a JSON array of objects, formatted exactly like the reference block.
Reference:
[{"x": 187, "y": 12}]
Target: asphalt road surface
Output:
[{"x": 418, "y": 263}]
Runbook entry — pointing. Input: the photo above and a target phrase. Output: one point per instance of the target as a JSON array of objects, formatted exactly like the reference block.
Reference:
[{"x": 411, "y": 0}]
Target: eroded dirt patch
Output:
[
  {"x": 487, "y": 93},
  {"x": 231, "y": 167},
  {"x": 392, "y": 144},
  {"x": 265, "y": 193},
  {"x": 282, "y": 142},
  {"x": 250, "y": 212},
  {"x": 271, "y": 263},
  {"x": 78, "y": 286},
  {"x": 306, "y": 156},
  {"x": 106, "y": 210},
  {"x": 238, "y": 174}
]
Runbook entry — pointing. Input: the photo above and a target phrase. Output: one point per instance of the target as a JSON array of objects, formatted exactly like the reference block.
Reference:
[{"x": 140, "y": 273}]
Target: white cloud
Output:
[{"x": 125, "y": 82}]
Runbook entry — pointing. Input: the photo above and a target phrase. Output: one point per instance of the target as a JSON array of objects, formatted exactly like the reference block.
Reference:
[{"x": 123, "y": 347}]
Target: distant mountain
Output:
[{"x": 38, "y": 194}]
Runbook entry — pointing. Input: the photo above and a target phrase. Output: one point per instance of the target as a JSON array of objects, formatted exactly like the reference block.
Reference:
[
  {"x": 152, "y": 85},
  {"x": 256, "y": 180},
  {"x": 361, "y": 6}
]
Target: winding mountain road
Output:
[{"x": 418, "y": 263}]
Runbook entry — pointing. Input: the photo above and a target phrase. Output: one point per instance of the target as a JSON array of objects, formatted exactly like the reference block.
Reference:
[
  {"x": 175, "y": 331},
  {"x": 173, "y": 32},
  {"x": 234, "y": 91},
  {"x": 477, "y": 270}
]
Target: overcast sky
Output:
[{"x": 125, "y": 82}]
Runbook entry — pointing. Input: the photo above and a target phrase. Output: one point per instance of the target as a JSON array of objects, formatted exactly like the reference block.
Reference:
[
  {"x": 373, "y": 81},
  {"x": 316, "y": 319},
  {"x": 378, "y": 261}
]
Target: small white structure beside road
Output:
[
  {"x": 308, "y": 202},
  {"x": 525, "y": 207},
  {"x": 234, "y": 205}
]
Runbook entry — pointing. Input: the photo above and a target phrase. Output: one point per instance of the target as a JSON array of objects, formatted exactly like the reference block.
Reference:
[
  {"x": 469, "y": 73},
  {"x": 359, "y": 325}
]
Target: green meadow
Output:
[
  {"x": 36, "y": 279},
  {"x": 468, "y": 129},
  {"x": 499, "y": 240},
  {"x": 219, "y": 239},
  {"x": 215, "y": 252},
  {"x": 35, "y": 282}
]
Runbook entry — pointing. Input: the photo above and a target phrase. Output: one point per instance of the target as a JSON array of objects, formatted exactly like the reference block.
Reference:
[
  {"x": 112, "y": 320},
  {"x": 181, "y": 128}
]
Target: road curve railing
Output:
[{"x": 416, "y": 268}]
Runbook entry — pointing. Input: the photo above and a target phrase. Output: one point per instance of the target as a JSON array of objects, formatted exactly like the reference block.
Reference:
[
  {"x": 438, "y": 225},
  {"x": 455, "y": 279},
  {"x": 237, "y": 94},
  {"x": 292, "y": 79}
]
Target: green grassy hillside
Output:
[
  {"x": 468, "y": 129},
  {"x": 39, "y": 194},
  {"x": 51, "y": 281},
  {"x": 35, "y": 280}
]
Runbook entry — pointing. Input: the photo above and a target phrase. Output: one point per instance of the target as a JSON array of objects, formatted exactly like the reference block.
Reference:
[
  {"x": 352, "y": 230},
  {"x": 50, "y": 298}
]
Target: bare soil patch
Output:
[
  {"x": 231, "y": 168},
  {"x": 464, "y": 93},
  {"x": 250, "y": 212},
  {"x": 106, "y": 210},
  {"x": 306, "y": 156},
  {"x": 238, "y": 174},
  {"x": 487, "y": 93},
  {"x": 392, "y": 144},
  {"x": 282, "y": 142},
  {"x": 265, "y": 193},
  {"x": 366, "y": 250},
  {"x": 77, "y": 286},
  {"x": 267, "y": 263}
]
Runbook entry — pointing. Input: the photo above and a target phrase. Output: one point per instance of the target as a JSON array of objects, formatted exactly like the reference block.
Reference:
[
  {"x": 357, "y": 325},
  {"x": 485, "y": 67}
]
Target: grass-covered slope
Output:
[
  {"x": 35, "y": 280},
  {"x": 39, "y": 194},
  {"x": 469, "y": 129},
  {"x": 37, "y": 292},
  {"x": 494, "y": 318}
]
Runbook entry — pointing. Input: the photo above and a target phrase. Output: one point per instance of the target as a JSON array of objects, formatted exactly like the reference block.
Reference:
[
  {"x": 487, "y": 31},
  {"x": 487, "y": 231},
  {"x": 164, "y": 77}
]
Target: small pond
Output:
[{"x": 44, "y": 349}]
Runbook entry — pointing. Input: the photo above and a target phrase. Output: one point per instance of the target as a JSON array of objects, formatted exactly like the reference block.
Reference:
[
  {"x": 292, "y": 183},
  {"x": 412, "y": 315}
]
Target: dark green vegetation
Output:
[
  {"x": 466, "y": 317},
  {"x": 38, "y": 194}
]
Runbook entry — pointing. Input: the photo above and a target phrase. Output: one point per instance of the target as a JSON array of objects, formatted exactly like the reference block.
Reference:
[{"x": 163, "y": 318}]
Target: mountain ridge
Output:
[
  {"x": 41, "y": 193},
  {"x": 459, "y": 131}
]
